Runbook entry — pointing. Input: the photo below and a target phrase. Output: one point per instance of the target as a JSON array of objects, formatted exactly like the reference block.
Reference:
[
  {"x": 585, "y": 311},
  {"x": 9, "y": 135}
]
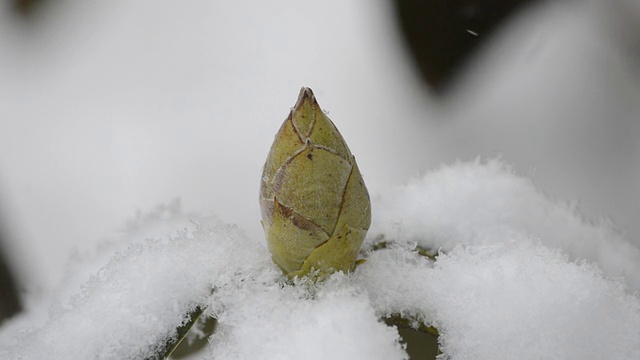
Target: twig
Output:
[{"x": 181, "y": 332}]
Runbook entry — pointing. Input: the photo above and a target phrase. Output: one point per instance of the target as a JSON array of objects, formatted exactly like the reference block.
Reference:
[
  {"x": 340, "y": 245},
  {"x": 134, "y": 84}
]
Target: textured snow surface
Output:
[
  {"x": 519, "y": 278},
  {"x": 470, "y": 202},
  {"x": 512, "y": 300},
  {"x": 133, "y": 304},
  {"x": 263, "y": 320}
]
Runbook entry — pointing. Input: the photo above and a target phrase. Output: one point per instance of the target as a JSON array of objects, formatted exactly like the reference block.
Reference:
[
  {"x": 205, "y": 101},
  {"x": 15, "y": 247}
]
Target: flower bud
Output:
[{"x": 315, "y": 206}]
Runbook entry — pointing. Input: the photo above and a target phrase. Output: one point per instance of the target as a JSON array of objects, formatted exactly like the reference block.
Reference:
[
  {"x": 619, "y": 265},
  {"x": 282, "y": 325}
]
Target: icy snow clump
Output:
[
  {"x": 469, "y": 202},
  {"x": 512, "y": 283}
]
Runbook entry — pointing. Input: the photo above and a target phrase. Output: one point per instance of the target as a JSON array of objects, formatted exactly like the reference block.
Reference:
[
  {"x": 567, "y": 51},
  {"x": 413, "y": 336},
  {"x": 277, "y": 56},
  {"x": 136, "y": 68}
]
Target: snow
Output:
[
  {"x": 511, "y": 300},
  {"x": 134, "y": 302},
  {"x": 469, "y": 202},
  {"x": 275, "y": 321},
  {"x": 510, "y": 283}
]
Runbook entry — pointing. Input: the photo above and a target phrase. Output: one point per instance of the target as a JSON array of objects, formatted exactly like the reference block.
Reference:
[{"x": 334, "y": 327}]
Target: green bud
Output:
[{"x": 315, "y": 206}]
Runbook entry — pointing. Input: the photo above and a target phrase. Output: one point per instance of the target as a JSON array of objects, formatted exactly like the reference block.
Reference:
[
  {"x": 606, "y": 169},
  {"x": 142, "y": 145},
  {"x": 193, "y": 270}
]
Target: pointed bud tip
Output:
[{"x": 305, "y": 94}]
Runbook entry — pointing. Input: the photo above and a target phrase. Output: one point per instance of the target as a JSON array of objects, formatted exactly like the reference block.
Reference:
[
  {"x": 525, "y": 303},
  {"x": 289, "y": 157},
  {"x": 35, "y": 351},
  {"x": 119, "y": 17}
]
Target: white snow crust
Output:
[
  {"x": 470, "y": 202},
  {"x": 519, "y": 276}
]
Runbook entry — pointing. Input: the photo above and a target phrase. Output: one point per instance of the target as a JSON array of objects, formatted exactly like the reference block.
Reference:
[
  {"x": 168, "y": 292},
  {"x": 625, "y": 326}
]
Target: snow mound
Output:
[
  {"x": 521, "y": 278},
  {"x": 133, "y": 304},
  {"x": 469, "y": 202},
  {"x": 510, "y": 300},
  {"x": 267, "y": 320}
]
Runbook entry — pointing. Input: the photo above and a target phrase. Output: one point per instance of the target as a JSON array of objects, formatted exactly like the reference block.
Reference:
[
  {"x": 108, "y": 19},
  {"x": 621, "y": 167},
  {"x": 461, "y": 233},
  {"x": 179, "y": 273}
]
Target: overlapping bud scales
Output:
[{"x": 315, "y": 206}]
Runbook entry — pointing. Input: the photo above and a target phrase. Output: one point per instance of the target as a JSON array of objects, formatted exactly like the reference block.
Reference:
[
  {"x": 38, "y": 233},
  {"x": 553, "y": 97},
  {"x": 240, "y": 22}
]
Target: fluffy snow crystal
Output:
[
  {"x": 512, "y": 283},
  {"x": 469, "y": 202},
  {"x": 134, "y": 303},
  {"x": 266, "y": 320},
  {"x": 510, "y": 300}
]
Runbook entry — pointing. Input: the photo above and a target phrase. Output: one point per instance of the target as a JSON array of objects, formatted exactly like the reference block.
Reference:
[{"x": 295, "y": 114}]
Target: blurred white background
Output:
[{"x": 110, "y": 107}]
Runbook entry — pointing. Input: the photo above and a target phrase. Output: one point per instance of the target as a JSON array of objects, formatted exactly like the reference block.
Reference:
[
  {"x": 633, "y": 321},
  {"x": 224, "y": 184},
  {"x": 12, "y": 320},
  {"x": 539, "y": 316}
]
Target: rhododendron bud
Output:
[{"x": 315, "y": 207}]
